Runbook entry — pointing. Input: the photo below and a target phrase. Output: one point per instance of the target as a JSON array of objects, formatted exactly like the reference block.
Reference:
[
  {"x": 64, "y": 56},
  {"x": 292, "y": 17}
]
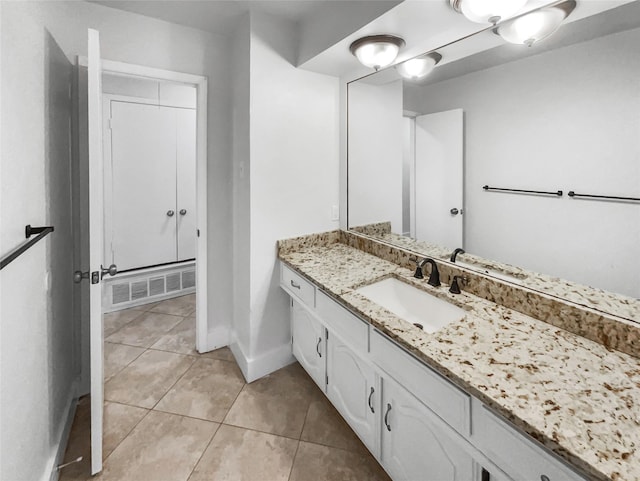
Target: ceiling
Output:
[{"x": 217, "y": 16}]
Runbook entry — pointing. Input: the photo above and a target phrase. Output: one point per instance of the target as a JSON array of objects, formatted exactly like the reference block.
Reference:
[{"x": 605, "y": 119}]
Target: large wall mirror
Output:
[{"x": 562, "y": 115}]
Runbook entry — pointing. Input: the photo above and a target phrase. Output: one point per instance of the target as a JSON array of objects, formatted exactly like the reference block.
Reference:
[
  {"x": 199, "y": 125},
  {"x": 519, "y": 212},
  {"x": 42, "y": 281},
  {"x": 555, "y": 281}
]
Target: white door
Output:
[
  {"x": 309, "y": 343},
  {"x": 143, "y": 184},
  {"x": 351, "y": 387},
  {"x": 438, "y": 178},
  {"x": 186, "y": 183},
  {"x": 96, "y": 236},
  {"x": 415, "y": 444}
]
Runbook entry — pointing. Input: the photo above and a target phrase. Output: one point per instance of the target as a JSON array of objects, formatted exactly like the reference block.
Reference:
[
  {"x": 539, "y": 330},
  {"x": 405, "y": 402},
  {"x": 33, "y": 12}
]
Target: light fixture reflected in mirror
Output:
[
  {"x": 419, "y": 67},
  {"x": 487, "y": 11},
  {"x": 377, "y": 51},
  {"x": 535, "y": 26}
]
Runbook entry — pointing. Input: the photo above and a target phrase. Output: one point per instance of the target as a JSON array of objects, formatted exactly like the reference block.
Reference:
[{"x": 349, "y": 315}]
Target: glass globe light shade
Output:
[
  {"x": 532, "y": 27},
  {"x": 491, "y": 11},
  {"x": 377, "y": 51},
  {"x": 419, "y": 67}
]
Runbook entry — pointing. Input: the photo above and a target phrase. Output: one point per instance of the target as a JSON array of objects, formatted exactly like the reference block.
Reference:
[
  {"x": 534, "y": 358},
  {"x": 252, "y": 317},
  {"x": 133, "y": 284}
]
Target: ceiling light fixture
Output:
[
  {"x": 487, "y": 11},
  {"x": 377, "y": 51},
  {"x": 419, "y": 67},
  {"x": 535, "y": 26}
]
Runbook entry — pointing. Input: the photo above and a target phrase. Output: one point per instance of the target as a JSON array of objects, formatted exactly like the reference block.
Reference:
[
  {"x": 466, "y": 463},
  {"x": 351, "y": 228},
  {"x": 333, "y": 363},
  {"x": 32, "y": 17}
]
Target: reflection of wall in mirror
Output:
[
  {"x": 375, "y": 153},
  {"x": 565, "y": 119}
]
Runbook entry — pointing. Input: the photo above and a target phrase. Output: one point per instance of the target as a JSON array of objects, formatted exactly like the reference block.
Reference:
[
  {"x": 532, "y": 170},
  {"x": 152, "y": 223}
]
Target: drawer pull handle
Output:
[
  {"x": 386, "y": 417},
  {"x": 544, "y": 477},
  {"x": 370, "y": 396},
  {"x": 294, "y": 285},
  {"x": 318, "y": 346}
]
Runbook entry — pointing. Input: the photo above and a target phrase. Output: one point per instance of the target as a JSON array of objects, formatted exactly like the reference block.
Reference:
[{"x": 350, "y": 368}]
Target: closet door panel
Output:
[
  {"x": 143, "y": 144},
  {"x": 186, "y": 183}
]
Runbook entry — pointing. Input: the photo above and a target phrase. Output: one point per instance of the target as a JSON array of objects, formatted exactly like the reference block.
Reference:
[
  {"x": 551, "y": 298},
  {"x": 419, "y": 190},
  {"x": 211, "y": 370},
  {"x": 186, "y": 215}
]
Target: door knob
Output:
[
  {"x": 183, "y": 211},
  {"x": 79, "y": 275},
  {"x": 455, "y": 211},
  {"x": 170, "y": 213},
  {"x": 112, "y": 270}
]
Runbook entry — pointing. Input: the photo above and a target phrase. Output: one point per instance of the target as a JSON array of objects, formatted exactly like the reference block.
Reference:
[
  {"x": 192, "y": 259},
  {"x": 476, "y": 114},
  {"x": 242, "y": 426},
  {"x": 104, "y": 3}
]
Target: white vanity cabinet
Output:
[
  {"x": 417, "y": 423},
  {"x": 352, "y": 387},
  {"x": 416, "y": 445},
  {"x": 308, "y": 342}
]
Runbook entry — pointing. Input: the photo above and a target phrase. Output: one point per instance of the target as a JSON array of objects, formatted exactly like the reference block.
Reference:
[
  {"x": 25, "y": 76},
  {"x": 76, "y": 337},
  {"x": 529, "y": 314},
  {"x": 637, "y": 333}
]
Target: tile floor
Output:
[{"x": 173, "y": 414}]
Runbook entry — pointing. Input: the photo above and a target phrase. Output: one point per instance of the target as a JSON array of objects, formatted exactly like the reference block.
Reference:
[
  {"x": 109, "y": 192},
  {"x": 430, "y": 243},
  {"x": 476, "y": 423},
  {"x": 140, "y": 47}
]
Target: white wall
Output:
[
  {"x": 567, "y": 119},
  {"x": 35, "y": 373},
  {"x": 293, "y": 181},
  {"x": 241, "y": 335},
  {"x": 375, "y": 154},
  {"x": 39, "y": 348}
]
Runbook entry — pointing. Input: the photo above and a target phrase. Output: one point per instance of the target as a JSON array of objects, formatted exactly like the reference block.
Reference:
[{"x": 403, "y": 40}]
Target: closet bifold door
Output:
[
  {"x": 186, "y": 183},
  {"x": 143, "y": 139}
]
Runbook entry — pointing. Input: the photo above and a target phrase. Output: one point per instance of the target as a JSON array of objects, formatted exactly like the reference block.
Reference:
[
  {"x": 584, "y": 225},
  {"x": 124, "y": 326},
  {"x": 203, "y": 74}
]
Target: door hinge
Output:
[
  {"x": 326, "y": 379},
  {"x": 110, "y": 123},
  {"x": 198, "y": 232},
  {"x": 326, "y": 334}
]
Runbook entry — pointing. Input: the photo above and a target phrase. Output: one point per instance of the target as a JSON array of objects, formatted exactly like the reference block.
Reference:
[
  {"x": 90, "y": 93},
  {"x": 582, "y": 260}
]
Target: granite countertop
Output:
[{"x": 573, "y": 395}]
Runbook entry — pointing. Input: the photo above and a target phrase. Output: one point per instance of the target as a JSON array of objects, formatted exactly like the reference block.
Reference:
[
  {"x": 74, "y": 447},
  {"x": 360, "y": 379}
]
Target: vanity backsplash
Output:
[{"x": 611, "y": 331}]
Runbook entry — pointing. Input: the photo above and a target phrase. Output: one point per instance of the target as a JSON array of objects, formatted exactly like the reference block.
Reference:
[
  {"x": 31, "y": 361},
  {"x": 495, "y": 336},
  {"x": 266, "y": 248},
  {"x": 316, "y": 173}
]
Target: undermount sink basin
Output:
[{"x": 411, "y": 304}]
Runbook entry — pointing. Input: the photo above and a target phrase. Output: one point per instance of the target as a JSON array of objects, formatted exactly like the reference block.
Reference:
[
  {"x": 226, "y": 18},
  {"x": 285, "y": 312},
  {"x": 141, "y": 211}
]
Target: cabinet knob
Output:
[
  {"x": 544, "y": 477},
  {"x": 170, "y": 213},
  {"x": 386, "y": 417},
  {"x": 183, "y": 211}
]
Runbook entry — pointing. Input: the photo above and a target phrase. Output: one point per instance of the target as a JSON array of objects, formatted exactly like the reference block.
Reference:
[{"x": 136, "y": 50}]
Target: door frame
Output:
[{"x": 200, "y": 82}]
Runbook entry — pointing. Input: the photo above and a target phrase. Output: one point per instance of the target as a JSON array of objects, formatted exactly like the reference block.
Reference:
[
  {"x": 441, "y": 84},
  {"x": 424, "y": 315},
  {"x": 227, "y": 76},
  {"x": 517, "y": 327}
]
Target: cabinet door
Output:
[
  {"x": 143, "y": 188},
  {"x": 351, "y": 387},
  {"x": 186, "y": 183},
  {"x": 309, "y": 343},
  {"x": 415, "y": 443}
]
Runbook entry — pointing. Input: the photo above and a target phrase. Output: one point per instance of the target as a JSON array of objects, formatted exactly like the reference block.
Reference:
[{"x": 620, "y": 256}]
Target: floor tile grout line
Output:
[
  {"x": 233, "y": 403},
  {"x": 197, "y": 355},
  {"x": 195, "y": 466},
  {"x": 260, "y": 431},
  {"x": 128, "y": 434},
  {"x": 293, "y": 461},
  {"x": 105, "y": 381},
  {"x": 174, "y": 384},
  {"x": 304, "y": 423}
]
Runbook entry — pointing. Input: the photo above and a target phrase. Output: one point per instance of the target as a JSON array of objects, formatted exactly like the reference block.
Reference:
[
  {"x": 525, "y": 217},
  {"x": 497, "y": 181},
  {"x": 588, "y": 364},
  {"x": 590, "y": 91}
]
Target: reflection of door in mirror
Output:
[{"x": 437, "y": 177}]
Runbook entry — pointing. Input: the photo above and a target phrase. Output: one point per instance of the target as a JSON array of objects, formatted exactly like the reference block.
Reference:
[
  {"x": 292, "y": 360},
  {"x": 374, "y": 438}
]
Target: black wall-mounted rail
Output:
[
  {"x": 523, "y": 191},
  {"x": 41, "y": 232},
  {"x": 604, "y": 197}
]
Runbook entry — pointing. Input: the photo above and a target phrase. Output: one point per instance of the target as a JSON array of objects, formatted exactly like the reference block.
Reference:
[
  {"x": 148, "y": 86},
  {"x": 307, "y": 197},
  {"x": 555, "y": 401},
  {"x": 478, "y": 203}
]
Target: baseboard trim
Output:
[
  {"x": 216, "y": 338},
  {"x": 51, "y": 472},
  {"x": 270, "y": 361}
]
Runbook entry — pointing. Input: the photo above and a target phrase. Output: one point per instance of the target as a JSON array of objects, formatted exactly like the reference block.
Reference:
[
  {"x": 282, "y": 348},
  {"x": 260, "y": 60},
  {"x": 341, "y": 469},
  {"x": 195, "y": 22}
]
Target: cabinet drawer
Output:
[
  {"x": 297, "y": 286},
  {"x": 516, "y": 455},
  {"x": 446, "y": 400},
  {"x": 352, "y": 330}
]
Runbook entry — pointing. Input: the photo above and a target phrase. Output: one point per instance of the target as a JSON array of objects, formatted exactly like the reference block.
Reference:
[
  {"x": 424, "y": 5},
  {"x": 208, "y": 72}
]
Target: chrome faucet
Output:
[{"x": 455, "y": 253}]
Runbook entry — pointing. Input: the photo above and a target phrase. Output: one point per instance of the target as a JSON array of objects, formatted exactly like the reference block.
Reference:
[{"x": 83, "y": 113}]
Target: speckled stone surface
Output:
[
  {"x": 611, "y": 331},
  {"x": 573, "y": 395},
  {"x": 591, "y": 297}
]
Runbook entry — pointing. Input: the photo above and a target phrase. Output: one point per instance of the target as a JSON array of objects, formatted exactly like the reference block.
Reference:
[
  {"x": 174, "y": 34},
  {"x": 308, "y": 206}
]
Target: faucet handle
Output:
[
  {"x": 455, "y": 287},
  {"x": 418, "y": 273}
]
